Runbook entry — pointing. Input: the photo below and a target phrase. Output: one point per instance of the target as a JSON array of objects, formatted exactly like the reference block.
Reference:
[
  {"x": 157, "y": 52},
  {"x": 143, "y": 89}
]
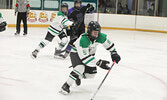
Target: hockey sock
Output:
[
  {"x": 61, "y": 45},
  {"x": 76, "y": 73},
  {"x": 42, "y": 44}
]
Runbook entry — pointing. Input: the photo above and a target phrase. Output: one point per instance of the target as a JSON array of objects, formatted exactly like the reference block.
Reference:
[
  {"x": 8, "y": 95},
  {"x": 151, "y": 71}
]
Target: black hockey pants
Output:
[{"x": 21, "y": 16}]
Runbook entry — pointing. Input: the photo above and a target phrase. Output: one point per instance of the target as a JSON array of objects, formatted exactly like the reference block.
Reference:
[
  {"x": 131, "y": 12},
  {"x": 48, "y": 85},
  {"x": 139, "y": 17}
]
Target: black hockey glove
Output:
[
  {"x": 115, "y": 57},
  {"x": 90, "y": 8},
  {"x": 103, "y": 64},
  {"x": 3, "y": 24},
  {"x": 74, "y": 27},
  {"x": 75, "y": 24},
  {"x": 88, "y": 5}
]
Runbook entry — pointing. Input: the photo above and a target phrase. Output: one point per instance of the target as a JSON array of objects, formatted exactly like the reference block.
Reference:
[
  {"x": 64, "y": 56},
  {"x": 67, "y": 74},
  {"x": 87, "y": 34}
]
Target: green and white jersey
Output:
[
  {"x": 1, "y": 19},
  {"x": 59, "y": 23},
  {"x": 86, "y": 48}
]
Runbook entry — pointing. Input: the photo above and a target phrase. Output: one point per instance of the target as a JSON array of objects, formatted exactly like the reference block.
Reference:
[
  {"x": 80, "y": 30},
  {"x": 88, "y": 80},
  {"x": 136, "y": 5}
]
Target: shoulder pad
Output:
[
  {"x": 84, "y": 41},
  {"x": 60, "y": 14},
  {"x": 101, "y": 38}
]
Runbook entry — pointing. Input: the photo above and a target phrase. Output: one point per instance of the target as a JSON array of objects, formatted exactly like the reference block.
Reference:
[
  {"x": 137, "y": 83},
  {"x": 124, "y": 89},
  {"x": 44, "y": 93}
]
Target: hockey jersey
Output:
[
  {"x": 86, "y": 49},
  {"x": 77, "y": 15},
  {"x": 59, "y": 23}
]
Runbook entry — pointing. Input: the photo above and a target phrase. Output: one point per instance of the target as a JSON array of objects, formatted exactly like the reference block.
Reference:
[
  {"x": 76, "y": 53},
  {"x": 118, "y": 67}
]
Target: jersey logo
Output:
[
  {"x": 108, "y": 42},
  {"x": 84, "y": 52},
  {"x": 79, "y": 17}
]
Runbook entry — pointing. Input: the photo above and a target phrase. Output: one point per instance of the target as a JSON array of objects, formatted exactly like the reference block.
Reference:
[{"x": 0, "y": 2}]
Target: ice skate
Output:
[
  {"x": 65, "y": 89},
  {"x": 16, "y": 34},
  {"x": 34, "y": 53},
  {"x": 25, "y": 34},
  {"x": 78, "y": 82},
  {"x": 59, "y": 54}
]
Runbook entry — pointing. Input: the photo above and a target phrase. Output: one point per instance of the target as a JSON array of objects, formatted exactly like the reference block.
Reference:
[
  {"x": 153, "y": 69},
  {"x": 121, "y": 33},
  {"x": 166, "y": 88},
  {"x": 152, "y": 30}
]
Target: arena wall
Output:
[{"x": 107, "y": 21}]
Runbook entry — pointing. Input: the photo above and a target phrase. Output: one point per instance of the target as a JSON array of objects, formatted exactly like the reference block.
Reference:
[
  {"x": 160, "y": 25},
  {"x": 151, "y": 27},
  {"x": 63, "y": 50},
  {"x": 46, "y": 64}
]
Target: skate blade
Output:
[{"x": 63, "y": 92}]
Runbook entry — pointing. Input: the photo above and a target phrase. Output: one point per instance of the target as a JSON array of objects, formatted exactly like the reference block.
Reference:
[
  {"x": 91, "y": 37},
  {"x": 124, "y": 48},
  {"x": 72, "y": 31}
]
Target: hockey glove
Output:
[
  {"x": 90, "y": 8},
  {"x": 74, "y": 27},
  {"x": 103, "y": 64},
  {"x": 3, "y": 24},
  {"x": 88, "y": 5},
  {"x": 74, "y": 24},
  {"x": 115, "y": 57}
]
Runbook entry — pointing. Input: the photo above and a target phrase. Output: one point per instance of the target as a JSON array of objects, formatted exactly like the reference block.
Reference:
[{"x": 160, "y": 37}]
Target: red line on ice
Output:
[
  {"x": 12, "y": 79},
  {"x": 155, "y": 77},
  {"x": 6, "y": 84}
]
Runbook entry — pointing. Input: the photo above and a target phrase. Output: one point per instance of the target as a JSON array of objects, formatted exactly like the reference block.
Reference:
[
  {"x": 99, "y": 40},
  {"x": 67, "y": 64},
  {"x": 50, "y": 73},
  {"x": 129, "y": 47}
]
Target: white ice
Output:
[{"x": 140, "y": 75}]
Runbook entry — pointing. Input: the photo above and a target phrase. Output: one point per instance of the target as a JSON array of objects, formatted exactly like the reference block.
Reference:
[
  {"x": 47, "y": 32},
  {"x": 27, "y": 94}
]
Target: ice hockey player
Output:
[
  {"x": 77, "y": 15},
  {"x": 56, "y": 28},
  {"x": 2, "y": 24},
  {"x": 82, "y": 55}
]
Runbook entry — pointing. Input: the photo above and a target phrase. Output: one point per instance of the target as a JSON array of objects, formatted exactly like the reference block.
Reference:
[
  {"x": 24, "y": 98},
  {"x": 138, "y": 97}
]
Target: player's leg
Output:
[
  {"x": 72, "y": 40},
  {"x": 25, "y": 23},
  {"x": 77, "y": 64},
  {"x": 49, "y": 37},
  {"x": 64, "y": 40},
  {"x": 68, "y": 48},
  {"x": 90, "y": 72},
  {"x": 59, "y": 52},
  {"x": 76, "y": 75},
  {"x": 18, "y": 24}
]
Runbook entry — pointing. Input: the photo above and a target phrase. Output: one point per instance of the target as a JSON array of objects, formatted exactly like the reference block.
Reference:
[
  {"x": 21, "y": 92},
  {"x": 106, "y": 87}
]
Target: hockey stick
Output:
[{"x": 102, "y": 81}]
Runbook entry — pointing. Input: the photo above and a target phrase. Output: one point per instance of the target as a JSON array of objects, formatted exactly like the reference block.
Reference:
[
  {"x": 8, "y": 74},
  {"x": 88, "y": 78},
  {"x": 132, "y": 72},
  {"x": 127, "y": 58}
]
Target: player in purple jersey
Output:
[{"x": 76, "y": 14}]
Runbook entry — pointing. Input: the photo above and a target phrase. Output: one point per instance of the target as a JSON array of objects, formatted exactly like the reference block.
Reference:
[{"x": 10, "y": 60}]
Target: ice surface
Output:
[{"x": 141, "y": 74}]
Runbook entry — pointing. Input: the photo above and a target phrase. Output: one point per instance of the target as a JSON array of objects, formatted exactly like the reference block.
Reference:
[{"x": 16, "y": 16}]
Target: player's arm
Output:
[
  {"x": 16, "y": 7},
  {"x": 28, "y": 8},
  {"x": 110, "y": 46},
  {"x": 66, "y": 21},
  {"x": 71, "y": 14},
  {"x": 90, "y": 8}
]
